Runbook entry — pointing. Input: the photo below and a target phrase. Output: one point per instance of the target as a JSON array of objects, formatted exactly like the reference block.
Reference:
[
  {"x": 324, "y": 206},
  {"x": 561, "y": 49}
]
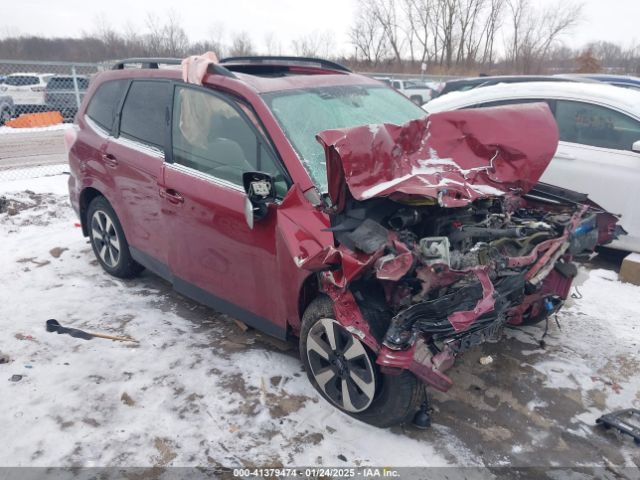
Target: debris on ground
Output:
[
  {"x": 626, "y": 421},
  {"x": 486, "y": 360},
  {"x": 57, "y": 251},
  {"x": 630, "y": 269},
  {"x": 4, "y": 358},
  {"x": 241, "y": 325},
  {"x": 15, "y": 378},
  {"x": 53, "y": 325}
]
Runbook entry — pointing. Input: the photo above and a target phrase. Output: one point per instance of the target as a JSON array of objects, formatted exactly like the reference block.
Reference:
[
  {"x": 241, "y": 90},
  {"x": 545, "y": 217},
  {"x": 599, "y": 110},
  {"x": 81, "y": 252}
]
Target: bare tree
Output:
[
  {"x": 273, "y": 46},
  {"x": 535, "y": 32},
  {"x": 314, "y": 44},
  {"x": 386, "y": 14},
  {"x": 368, "y": 37},
  {"x": 241, "y": 45}
]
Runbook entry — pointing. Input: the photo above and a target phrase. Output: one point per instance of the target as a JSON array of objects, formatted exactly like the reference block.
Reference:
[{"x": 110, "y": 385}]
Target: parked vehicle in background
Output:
[
  {"x": 599, "y": 149},
  {"x": 26, "y": 90},
  {"x": 617, "y": 80},
  {"x": 464, "y": 84},
  {"x": 309, "y": 201},
  {"x": 385, "y": 80},
  {"x": 417, "y": 91},
  {"x": 7, "y": 110},
  {"x": 64, "y": 93},
  {"x": 2, "y": 77}
]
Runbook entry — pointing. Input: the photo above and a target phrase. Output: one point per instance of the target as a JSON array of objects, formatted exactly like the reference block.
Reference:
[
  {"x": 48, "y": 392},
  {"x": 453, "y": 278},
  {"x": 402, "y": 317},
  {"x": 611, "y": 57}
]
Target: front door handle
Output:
[
  {"x": 109, "y": 160},
  {"x": 171, "y": 196}
]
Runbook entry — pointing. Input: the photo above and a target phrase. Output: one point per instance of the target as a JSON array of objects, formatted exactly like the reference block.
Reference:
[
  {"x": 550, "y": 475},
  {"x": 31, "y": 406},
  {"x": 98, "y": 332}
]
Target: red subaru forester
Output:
[{"x": 309, "y": 201}]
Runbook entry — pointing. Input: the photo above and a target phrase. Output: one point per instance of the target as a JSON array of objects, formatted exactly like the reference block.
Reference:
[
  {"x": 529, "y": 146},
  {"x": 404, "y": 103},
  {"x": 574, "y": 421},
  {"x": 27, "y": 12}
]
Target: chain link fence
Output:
[{"x": 38, "y": 101}]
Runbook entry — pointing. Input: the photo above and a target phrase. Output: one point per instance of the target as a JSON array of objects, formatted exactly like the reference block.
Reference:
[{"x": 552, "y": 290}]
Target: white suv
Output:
[
  {"x": 27, "y": 90},
  {"x": 599, "y": 149}
]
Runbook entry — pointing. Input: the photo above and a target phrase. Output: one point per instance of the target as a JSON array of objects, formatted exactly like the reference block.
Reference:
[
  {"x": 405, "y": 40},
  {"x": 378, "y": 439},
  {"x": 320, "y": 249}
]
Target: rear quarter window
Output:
[
  {"x": 144, "y": 112},
  {"x": 104, "y": 103}
]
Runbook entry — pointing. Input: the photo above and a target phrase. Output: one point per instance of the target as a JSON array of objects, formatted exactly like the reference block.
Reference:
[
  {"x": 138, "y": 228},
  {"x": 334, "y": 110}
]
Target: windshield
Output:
[{"x": 305, "y": 113}]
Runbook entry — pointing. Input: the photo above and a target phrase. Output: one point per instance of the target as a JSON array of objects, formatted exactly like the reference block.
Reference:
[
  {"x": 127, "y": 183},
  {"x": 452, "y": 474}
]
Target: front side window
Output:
[
  {"x": 303, "y": 114},
  {"x": 596, "y": 126},
  {"x": 211, "y": 136},
  {"x": 105, "y": 102},
  {"x": 144, "y": 112}
]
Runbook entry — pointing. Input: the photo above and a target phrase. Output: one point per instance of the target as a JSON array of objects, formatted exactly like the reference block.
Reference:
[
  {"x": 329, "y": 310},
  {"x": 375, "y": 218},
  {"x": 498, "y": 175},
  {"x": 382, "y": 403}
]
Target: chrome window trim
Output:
[
  {"x": 140, "y": 147},
  {"x": 95, "y": 127},
  {"x": 205, "y": 176}
]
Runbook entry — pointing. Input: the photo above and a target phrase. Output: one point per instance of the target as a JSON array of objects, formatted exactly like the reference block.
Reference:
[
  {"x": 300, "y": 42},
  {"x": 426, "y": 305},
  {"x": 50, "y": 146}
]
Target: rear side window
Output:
[
  {"x": 104, "y": 103},
  {"x": 595, "y": 125},
  {"x": 22, "y": 80},
  {"x": 145, "y": 111}
]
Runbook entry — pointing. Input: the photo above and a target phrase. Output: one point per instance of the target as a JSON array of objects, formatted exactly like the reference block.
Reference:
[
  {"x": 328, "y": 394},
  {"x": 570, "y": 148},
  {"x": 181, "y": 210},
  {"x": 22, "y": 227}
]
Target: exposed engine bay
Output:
[{"x": 443, "y": 235}]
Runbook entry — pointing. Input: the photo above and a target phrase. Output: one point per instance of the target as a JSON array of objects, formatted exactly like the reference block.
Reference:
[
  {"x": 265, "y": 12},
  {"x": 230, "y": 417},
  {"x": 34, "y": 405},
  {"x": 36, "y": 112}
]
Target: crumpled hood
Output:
[{"x": 453, "y": 157}]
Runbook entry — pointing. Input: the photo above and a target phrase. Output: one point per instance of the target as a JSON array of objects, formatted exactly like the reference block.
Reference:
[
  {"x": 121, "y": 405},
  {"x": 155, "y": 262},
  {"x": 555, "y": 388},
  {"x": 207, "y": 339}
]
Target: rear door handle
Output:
[
  {"x": 109, "y": 160},
  {"x": 171, "y": 196}
]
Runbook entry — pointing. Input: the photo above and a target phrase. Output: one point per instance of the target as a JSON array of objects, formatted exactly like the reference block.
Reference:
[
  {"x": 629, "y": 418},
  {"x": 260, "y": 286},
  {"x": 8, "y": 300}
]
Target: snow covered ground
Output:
[{"x": 197, "y": 390}]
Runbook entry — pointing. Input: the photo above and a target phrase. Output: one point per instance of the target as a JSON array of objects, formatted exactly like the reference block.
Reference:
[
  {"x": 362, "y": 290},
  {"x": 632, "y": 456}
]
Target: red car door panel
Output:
[{"x": 215, "y": 257}]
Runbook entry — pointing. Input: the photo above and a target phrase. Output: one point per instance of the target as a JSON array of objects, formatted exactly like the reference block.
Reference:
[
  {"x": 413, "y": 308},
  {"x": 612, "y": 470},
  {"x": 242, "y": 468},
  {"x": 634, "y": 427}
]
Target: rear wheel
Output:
[
  {"x": 5, "y": 115},
  {"x": 108, "y": 241},
  {"x": 343, "y": 370}
]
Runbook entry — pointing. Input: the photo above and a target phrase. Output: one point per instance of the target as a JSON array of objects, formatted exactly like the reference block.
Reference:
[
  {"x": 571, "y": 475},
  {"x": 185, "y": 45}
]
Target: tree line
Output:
[{"x": 446, "y": 36}]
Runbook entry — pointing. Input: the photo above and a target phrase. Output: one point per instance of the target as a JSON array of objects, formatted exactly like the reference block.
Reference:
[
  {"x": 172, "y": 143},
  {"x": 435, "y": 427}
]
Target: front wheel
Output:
[{"x": 343, "y": 370}]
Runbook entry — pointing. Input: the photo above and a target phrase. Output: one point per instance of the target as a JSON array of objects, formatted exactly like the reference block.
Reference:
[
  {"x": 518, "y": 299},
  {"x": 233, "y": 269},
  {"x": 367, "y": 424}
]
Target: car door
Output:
[
  {"x": 214, "y": 256},
  {"x": 594, "y": 156},
  {"x": 135, "y": 158}
]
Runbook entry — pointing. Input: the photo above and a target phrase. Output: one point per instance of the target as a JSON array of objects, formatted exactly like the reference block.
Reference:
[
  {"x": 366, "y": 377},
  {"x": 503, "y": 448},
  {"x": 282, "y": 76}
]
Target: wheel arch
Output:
[
  {"x": 86, "y": 196},
  {"x": 309, "y": 291}
]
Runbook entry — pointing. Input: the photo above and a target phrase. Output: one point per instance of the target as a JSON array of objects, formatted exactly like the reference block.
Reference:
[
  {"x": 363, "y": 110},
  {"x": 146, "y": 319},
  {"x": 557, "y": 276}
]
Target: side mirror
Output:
[
  {"x": 636, "y": 146},
  {"x": 260, "y": 190}
]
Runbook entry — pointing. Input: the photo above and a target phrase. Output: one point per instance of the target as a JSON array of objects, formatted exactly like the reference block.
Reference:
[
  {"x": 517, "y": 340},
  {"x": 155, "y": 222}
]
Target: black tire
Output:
[
  {"x": 105, "y": 236},
  {"x": 417, "y": 99},
  {"x": 5, "y": 115},
  {"x": 397, "y": 397}
]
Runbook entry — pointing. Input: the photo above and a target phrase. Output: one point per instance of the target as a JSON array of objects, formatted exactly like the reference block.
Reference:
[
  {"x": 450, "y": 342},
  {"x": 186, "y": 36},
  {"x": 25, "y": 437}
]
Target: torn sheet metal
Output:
[{"x": 452, "y": 157}]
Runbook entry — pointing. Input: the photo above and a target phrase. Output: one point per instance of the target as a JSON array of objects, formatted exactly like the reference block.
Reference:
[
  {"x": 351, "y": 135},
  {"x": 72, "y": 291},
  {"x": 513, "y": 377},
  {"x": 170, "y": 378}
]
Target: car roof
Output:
[
  {"x": 606, "y": 77},
  {"x": 625, "y": 99},
  {"x": 298, "y": 77}
]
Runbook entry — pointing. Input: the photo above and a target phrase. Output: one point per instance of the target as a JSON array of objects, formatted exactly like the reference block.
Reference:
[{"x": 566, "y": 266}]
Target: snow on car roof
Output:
[{"x": 623, "y": 99}]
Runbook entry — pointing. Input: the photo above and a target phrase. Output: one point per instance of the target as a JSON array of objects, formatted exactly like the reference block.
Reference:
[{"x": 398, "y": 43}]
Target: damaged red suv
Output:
[{"x": 309, "y": 201}]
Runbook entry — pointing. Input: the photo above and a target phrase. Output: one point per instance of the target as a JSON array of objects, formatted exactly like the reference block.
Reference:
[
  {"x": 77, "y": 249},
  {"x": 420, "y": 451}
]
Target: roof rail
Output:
[
  {"x": 146, "y": 62},
  {"x": 286, "y": 60},
  {"x": 154, "y": 63}
]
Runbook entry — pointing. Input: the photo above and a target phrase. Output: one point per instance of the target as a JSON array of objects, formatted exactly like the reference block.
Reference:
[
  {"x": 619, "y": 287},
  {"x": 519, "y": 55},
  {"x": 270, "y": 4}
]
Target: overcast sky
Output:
[{"x": 613, "y": 20}]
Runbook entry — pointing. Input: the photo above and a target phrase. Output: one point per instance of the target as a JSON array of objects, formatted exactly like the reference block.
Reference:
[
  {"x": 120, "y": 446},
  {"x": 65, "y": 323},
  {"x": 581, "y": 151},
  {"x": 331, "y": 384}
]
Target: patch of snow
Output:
[
  {"x": 51, "y": 128},
  {"x": 177, "y": 398}
]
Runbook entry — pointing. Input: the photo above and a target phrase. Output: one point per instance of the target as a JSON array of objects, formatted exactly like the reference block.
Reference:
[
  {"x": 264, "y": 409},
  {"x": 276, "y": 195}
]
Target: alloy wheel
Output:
[
  {"x": 341, "y": 366},
  {"x": 105, "y": 238}
]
